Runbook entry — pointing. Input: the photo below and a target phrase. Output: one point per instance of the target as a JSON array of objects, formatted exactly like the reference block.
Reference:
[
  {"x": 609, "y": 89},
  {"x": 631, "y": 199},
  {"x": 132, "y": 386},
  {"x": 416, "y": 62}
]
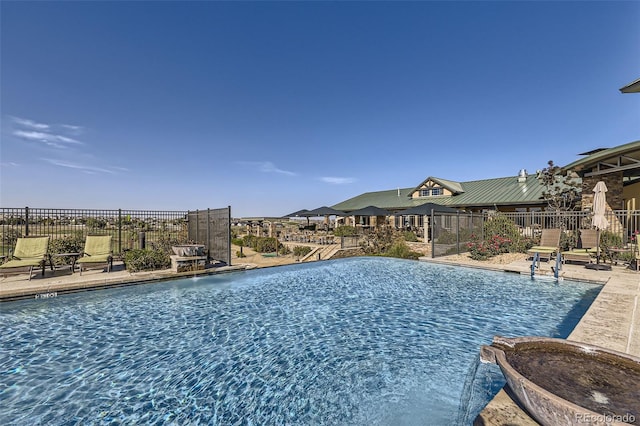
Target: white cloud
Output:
[
  {"x": 9, "y": 164},
  {"x": 30, "y": 123},
  {"x": 56, "y": 141},
  {"x": 337, "y": 180},
  {"x": 86, "y": 169},
  {"x": 268, "y": 167},
  {"x": 76, "y": 130}
]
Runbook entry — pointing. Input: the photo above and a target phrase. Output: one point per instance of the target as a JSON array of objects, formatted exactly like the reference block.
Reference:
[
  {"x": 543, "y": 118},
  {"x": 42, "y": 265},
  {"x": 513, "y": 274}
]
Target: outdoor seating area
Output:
[{"x": 32, "y": 252}]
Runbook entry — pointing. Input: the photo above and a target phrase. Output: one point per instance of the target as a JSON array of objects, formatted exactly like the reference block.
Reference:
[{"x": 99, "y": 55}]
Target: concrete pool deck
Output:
[{"x": 612, "y": 321}]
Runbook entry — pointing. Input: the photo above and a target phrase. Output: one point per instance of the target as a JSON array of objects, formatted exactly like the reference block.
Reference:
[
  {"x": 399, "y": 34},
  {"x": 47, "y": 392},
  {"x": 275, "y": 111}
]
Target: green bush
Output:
[
  {"x": 146, "y": 260},
  {"x": 66, "y": 244},
  {"x": 483, "y": 250},
  {"x": 237, "y": 242},
  {"x": 240, "y": 254},
  {"x": 446, "y": 237},
  {"x": 501, "y": 226},
  {"x": 301, "y": 251},
  {"x": 410, "y": 236},
  {"x": 283, "y": 250},
  {"x": 401, "y": 250},
  {"x": 345, "y": 231},
  {"x": 250, "y": 241},
  {"x": 266, "y": 244}
]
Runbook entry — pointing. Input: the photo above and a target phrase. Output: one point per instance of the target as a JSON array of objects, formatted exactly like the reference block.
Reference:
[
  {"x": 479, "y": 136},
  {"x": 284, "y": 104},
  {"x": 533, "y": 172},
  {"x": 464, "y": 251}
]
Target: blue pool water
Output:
[{"x": 365, "y": 341}]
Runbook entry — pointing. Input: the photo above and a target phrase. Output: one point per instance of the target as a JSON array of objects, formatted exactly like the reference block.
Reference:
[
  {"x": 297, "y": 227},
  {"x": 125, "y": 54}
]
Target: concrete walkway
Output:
[
  {"x": 612, "y": 321},
  {"x": 59, "y": 281}
]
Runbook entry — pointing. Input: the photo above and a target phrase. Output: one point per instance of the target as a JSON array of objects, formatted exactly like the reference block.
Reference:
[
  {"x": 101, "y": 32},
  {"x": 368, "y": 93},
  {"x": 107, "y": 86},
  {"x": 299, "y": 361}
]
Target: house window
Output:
[{"x": 431, "y": 192}]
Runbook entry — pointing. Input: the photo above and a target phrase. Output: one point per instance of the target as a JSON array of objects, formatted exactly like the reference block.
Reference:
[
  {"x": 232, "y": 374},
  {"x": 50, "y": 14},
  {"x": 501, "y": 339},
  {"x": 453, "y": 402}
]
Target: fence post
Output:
[
  {"x": 432, "y": 229},
  {"x": 229, "y": 234},
  {"x": 119, "y": 231},
  {"x": 26, "y": 221},
  {"x": 208, "y": 242},
  {"x": 458, "y": 231}
]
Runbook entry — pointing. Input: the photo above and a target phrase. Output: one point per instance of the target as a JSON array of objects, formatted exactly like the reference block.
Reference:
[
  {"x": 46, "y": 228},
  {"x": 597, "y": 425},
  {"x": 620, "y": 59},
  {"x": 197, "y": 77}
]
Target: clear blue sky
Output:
[{"x": 271, "y": 107}]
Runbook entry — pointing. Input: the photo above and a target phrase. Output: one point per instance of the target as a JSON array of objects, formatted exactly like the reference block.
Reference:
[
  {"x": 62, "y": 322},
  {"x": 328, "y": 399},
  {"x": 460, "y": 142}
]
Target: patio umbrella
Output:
[
  {"x": 302, "y": 213},
  {"x": 426, "y": 209},
  {"x": 370, "y": 211},
  {"x": 298, "y": 213},
  {"x": 599, "y": 221},
  {"x": 326, "y": 211}
]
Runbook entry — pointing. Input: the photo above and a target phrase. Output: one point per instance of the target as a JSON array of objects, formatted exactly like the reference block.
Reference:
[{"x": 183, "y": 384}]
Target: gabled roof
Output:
[
  {"x": 451, "y": 185},
  {"x": 478, "y": 193},
  {"x": 624, "y": 158}
]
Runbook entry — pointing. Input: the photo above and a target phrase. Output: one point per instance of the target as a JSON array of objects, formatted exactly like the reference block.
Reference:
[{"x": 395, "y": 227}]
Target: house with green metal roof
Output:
[
  {"x": 513, "y": 193},
  {"x": 619, "y": 166}
]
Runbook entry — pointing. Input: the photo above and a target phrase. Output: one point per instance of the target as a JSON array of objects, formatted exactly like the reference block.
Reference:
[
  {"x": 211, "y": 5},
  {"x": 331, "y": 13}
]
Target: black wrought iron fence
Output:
[
  {"x": 450, "y": 233},
  {"x": 129, "y": 228}
]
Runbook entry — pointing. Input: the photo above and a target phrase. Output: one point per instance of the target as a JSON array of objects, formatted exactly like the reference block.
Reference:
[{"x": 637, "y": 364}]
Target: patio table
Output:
[{"x": 74, "y": 257}]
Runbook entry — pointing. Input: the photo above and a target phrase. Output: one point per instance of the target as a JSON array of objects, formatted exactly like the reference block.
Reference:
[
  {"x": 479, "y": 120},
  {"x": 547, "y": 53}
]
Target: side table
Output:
[{"x": 73, "y": 256}]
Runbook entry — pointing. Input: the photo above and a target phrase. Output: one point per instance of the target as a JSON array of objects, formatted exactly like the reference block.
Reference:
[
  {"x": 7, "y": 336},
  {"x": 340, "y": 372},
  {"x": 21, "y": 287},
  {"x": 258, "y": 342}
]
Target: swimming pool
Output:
[{"x": 356, "y": 341}]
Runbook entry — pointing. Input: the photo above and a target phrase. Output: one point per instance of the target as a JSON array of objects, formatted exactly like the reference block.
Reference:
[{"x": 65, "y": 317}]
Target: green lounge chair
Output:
[
  {"x": 29, "y": 252},
  {"x": 549, "y": 242},
  {"x": 588, "y": 247},
  {"x": 97, "y": 251}
]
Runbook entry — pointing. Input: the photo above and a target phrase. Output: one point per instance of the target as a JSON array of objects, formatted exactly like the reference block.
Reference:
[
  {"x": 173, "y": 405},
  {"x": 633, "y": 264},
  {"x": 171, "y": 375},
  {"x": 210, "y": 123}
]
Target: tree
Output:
[{"x": 562, "y": 191}]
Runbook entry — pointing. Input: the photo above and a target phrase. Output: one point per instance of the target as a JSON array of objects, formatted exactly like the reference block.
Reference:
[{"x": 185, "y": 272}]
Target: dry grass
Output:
[{"x": 501, "y": 259}]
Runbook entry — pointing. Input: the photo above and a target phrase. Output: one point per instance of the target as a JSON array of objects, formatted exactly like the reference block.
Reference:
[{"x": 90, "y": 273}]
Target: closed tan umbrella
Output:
[{"x": 599, "y": 221}]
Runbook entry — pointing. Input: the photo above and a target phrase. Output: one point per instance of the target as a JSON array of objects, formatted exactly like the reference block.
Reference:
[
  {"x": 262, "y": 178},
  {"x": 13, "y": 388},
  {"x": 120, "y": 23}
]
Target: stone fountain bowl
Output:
[
  {"x": 561, "y": 382},
  {"x": 188, "y": 250}
]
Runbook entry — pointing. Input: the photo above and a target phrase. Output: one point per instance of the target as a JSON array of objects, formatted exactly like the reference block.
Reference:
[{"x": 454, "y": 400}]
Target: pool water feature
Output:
[{"x": 356, "y": 341}]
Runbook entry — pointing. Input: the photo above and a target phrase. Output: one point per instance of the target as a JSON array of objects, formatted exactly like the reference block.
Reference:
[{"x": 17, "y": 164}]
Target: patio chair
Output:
[
  {"x": 29, "y": 252},
  {"x": 97, "y": 252},
  {"x": 549, "y": 243},
  {"x": 588, "y": 247}
]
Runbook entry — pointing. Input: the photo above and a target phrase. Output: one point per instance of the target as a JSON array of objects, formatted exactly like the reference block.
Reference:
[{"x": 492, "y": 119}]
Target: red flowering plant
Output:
[{"x": 483, "y": 250}]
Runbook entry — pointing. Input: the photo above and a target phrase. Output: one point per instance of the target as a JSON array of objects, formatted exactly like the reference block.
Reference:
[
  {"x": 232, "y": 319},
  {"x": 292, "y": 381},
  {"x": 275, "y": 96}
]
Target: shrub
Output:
[
  {"x": 164, "y": 241},
  {"x": 345, "y": 231},
  {"x": 10, "y": 236},
  {"x": 146, "y": 260},
  {"x": 500, "y": 225},
  {"x": 483, "y": 250},
  {"x": 410, "y": 236},
  {"x": 237, "y": 242},
  {"x": 266, "y": 244},
  {"x": 401, "y": 250},
  {"x": 240, "y": 254},
  {"x": 282, "y": 249},
  {"x": 66, "y": 244},
  {"x": 301, "y": 251},
  {"x": 250, "y": 241}
]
